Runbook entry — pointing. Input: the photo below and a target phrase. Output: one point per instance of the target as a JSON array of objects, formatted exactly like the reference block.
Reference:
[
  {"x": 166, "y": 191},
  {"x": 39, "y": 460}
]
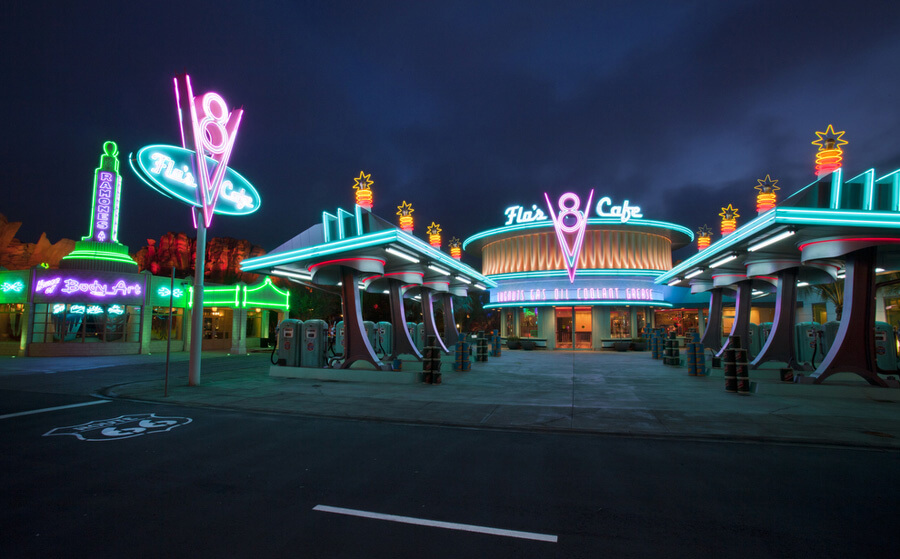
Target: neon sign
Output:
[
  {"x": 165, "y": 292},
  {"x": 167, "y": 169},
  {"x": 455, "y": 248},
  {"x": 116, "y": 310},
  {"x": 210, "y": 130},
  {"x": 578, "y": 294},
  {"x": 704, "y": 236},
  {"x": 729, "y": 217},
  {"x": 765, "y": 200},
  {"x": 515, "y": 214},
  {"x": 94, "y": 288},
  {"x": 570, "y": 222},
  {"x": 830, "y": 154},
  {"x": 434, "y": 235},
  {"x": 362, "y": 186},
  {"x": 14, "y": 287},
  {"x": 405, "y": 211},
  {"x": 107, "y": 192},
  {"x": 623, "y": 212}
]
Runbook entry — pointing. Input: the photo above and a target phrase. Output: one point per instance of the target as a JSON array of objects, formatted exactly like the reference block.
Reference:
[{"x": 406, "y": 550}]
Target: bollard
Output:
[
  {"x": 730, "y": 371},
  {"x": 742, "y": 371}
]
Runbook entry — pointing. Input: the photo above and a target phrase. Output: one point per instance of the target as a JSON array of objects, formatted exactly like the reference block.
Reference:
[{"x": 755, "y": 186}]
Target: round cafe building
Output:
[{"x": 580, "y": 275}]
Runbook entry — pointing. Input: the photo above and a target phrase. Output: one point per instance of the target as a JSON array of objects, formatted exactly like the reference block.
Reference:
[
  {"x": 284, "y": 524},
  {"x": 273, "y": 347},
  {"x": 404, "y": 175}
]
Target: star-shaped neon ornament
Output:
[{"x": 362, "y": 186}]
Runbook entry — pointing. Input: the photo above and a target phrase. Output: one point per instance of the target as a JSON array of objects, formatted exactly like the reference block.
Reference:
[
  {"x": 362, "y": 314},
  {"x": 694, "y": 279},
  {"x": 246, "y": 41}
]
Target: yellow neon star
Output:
[
  {"x": 454, "y": 243},
  {"x": 363, "y": 182},
  {"x": 829, "y": 134},
  {"x": 434, "y": 229},
  {"x": 729, "y": 213},
  {"x": 704, "y": 231},
  {"x": 767, "y": 185},
  {"x": 405, "y": 209}
]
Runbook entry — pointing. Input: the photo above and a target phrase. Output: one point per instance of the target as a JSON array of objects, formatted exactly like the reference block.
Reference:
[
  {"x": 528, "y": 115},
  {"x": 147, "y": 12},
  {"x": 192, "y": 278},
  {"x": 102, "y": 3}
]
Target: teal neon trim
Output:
[
  {"x": 548, "y": 224},
  {"x": 836, "y": 189},
  {"x": 327, "y": 219},
  {"x": 581, "y": 303},
  {"x": 893, "y": 180},
  {"x": 340, "y": 217},
  {"x": 563, "y": 273},
  {"x": 357, "y": 210},
  {"x": 364, "y": 241},
  {"x": 867, "y": 180}
]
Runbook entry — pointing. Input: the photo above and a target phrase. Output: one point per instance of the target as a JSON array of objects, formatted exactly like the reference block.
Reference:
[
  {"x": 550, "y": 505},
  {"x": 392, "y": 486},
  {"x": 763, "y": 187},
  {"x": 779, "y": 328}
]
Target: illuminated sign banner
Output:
[
  {"x": 570, "y": 225},
  {"x": 536, "y": 291},
  {"x": 65, "y": 285},
  {"x": 167, "y": 169},
  {"x": 605, "y": 208}
]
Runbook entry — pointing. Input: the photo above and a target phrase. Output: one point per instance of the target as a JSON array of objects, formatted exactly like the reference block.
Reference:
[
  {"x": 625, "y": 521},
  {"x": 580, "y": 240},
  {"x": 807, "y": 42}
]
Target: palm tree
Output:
[{"x": 833, "y": 292}]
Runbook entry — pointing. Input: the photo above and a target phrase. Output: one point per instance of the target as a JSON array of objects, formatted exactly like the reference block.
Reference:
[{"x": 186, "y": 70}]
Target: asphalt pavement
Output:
[{"x": 611, "y": 393}]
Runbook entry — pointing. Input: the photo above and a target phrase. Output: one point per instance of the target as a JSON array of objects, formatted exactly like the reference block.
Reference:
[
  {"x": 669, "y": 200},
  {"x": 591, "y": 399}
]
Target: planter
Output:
[
  {"x": 621, "y": 346},
  {"x": 528, "y": 346},
  {"x": 639, "y": 346},
  {"x": 510, "y": 344}
]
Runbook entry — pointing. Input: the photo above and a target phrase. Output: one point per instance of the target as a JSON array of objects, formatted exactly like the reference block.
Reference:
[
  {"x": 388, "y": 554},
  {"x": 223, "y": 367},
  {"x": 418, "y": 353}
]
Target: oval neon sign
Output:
[{"x": 167, "y": 169}]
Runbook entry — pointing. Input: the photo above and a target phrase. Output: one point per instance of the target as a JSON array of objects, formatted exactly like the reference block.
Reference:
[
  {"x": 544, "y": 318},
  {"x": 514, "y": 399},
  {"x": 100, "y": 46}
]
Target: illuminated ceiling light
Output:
[
  {"x": 771, "y": 240},
  {"x": 455, "y": 248},
  {"x": 830, "y": 154},
  {"x": 402, "y": 255},
  {"x": 438, "y": 270},
  {"x": 729, "y": 219},
  {"x": 879, "y": 270},
  {"x": 802, "y": 283},
  {"x": 362, "y": 185},
  {"x": 479, "y": 286},
  {"x": 675, "y": 281},
  {"x": 291, "y": 275},
  {"x": 766, "y": 198},
  {"x": 386, "y": 292},
  {"x": 704, "y": 236},
  {"x": 434, "y": 235},
  {"x": 694, "y": 274},
  {"x": 405, "y": 211},
  {"x": 722, "y": 261},
  {"x": 464, "y": 280},
  {"x": 841, "y": 275}
]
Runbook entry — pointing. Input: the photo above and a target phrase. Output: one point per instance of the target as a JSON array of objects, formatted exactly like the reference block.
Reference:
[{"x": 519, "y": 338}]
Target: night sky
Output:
[{"x": 462, "y": 109}]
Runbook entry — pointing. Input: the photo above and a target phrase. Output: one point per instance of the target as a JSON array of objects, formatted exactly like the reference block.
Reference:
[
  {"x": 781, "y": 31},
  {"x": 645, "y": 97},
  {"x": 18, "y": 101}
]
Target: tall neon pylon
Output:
[{"x": 830, "y": 155}]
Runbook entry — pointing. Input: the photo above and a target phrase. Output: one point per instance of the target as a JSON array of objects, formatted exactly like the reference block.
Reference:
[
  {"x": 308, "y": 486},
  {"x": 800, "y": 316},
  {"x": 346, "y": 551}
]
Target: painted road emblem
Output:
[{"x": 122, "y": 427}]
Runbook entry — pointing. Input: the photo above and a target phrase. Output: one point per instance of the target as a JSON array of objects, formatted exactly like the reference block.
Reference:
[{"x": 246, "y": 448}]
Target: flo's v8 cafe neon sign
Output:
[
  {"x": 519, "y": 214},
  {"x": 168, "y": 170}
]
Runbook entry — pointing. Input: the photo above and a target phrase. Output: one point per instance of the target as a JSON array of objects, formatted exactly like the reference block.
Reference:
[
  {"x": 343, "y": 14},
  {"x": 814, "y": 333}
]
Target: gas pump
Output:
[
  {"x": 384, "y": 338},
  {"x": 339, "y": 338},
  {"x": 885, "y": 347},
  {"x": 313, "y": 343},
  {"x": 289, "y": 342},
  {"x": 413, "y": 334},
  {"x": 831, "y": 329},
  {"x": 753, "y": 344},
  {"x": 371, "y": 333},
  {"x": 765, "y": 328},
  {"x": 808, "y": 347},
  {"x": 420, "y": 337}
]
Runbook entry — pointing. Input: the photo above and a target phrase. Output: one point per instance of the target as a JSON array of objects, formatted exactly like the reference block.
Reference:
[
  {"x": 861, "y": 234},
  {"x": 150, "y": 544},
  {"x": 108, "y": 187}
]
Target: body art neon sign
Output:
[
  {"x": 167, "y": 169},
  {"x": 95, "y": 288},
  {"x": 570, "y": 225},
  {"x": 210, "y": 129}
]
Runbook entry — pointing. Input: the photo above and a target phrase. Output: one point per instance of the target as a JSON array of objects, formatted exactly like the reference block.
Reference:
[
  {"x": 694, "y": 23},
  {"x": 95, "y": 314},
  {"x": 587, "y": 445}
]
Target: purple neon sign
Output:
[
  {"x": 69, "y": 286},
  {"x": 104, "y": 205},
  {"x": 570, "y": 225}
]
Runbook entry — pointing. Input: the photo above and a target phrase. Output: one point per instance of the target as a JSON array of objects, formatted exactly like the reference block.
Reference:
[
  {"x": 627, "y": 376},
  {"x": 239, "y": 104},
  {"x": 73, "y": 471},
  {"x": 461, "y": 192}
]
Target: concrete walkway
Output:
[{"x": 626, "y": 394}]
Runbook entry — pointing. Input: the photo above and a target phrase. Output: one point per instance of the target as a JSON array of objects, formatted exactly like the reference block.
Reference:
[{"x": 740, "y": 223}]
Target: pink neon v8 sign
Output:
[
  {"x": 570, "y": 225},
  {"x": 209, "y": 129}
]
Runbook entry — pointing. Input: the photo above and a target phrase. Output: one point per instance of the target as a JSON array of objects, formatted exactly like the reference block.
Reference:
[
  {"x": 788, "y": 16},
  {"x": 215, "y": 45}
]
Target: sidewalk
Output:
[{"x": 617, "y": 393}]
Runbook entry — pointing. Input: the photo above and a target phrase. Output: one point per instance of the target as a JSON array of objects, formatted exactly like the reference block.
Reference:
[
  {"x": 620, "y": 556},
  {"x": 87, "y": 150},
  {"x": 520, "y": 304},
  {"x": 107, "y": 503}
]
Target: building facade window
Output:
[
  {"x": 528, "y": 325},
  {"x": 160, "y": 323},
  {"x": 12, "y": 317},
  {"x": 86, "y": 323},
  {"x": 620, "y": 322}
]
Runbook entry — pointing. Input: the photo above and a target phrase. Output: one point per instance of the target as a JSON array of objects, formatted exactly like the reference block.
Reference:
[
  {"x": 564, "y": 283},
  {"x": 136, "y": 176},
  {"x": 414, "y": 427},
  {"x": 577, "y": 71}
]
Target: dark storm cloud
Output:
[{"x": 460, "y": 108}]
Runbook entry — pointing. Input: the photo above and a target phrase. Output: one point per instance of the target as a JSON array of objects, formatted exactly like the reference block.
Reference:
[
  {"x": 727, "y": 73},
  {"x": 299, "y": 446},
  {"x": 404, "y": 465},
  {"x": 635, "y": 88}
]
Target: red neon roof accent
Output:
[
  {"x": 339, "y": 260},
  {"x": 876, "y": 239},
  {"x": 431, "y": 282},
  {"x": 729, "y": 276},
  {"x": 403, "y": 273}
]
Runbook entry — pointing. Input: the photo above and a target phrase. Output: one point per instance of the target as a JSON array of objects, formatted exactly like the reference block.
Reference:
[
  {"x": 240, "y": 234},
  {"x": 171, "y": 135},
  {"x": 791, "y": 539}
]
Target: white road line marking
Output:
[
  {"x": 439, "y": 524},
  {"x": 7, "y": 416}
]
